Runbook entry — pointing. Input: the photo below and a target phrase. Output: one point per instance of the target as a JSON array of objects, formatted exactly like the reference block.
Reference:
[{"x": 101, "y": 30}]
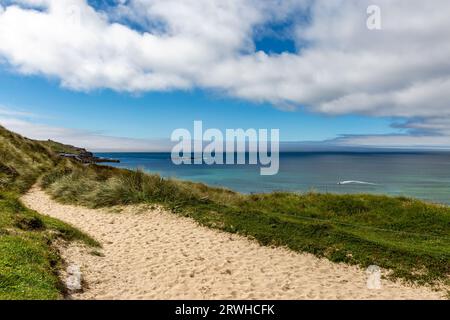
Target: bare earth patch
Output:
[{"x": 152, "y": 254}]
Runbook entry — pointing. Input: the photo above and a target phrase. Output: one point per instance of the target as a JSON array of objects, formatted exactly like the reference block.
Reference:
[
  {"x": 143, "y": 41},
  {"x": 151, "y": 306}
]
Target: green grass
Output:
[
  {"x": 26, "y": 269},
  {"x": 28, "y": 261},
  {"x": 22, "y": 161},
  {"x": 57, "y": 147},
  {"x": 407, "y": 236}
]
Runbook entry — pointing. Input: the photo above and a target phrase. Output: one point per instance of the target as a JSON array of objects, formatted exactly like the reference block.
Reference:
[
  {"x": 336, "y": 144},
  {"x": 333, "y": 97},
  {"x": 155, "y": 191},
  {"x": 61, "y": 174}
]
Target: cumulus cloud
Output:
[{"x": 340, "y": 66}]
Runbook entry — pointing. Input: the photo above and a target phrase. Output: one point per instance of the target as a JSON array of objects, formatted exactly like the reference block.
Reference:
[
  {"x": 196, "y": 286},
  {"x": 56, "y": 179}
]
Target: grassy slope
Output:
[
  {"x": 407, "y": 236},
  {"x": 57, "y": 147},
  {"x": 28, "y": 263},
  {"x": 21, "y": 161}
]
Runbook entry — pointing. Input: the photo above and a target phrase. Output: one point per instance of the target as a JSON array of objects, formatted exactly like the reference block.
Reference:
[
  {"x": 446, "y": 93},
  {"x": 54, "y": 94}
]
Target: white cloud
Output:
[
  {"x": 396, "y": 141},
  {"x": 81, "y": 138},
  {"x": 402, "y": 70},
  {"x": 4, "y": 111},
  {"x": 21, "y": 122}
]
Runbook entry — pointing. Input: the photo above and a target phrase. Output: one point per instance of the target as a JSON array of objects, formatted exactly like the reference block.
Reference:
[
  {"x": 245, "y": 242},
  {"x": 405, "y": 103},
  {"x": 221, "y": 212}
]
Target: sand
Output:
[{"x": 152, "y": 254}]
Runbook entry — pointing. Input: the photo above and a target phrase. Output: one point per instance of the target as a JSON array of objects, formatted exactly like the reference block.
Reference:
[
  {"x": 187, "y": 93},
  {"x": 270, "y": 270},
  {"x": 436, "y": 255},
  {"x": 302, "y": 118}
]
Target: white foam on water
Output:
[{"x": 357, "y": 182}]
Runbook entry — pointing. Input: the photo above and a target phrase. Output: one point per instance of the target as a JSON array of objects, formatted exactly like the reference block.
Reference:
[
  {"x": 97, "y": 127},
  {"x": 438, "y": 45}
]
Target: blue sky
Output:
[
  {"x": 140, "y": 69},
  {"x": 156, "y": 115}
]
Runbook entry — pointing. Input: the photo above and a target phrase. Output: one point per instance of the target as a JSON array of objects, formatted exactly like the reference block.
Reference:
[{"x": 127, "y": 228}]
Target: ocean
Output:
[{"x": 422, "y": 175}]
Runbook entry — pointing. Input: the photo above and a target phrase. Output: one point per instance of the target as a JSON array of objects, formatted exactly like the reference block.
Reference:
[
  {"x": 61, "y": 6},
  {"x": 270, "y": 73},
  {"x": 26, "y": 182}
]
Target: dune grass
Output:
[
  {"x": 21, "y": 161},
  {"x": 407, "y": 236},
  {"x": 28, "y": 261}
]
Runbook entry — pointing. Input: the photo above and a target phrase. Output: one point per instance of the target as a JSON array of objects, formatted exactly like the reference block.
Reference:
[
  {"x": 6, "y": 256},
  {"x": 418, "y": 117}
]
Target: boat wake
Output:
[{"x": 357, "y": 183}]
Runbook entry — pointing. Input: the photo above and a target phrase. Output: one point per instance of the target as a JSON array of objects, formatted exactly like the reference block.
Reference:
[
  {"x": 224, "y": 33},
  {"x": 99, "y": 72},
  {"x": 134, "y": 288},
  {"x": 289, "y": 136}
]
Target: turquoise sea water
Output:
[{"x": 413, "y": 174}]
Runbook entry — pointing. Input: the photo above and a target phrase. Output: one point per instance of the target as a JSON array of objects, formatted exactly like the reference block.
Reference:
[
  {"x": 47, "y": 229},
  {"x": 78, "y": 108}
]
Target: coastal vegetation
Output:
[
  {"x": 29, "y": 262},
  {"x": 409, "y": 237}
]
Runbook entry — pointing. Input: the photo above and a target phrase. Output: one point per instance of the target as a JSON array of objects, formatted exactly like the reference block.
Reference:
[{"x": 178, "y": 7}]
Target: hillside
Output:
[
  {"x": 28, "y": 261},
  {"x": 22, "y": 160}
]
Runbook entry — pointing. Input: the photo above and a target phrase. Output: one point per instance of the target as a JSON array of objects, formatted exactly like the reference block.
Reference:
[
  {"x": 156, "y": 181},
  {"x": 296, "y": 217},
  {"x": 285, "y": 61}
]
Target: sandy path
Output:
[{"x": 151, "y": 254}]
